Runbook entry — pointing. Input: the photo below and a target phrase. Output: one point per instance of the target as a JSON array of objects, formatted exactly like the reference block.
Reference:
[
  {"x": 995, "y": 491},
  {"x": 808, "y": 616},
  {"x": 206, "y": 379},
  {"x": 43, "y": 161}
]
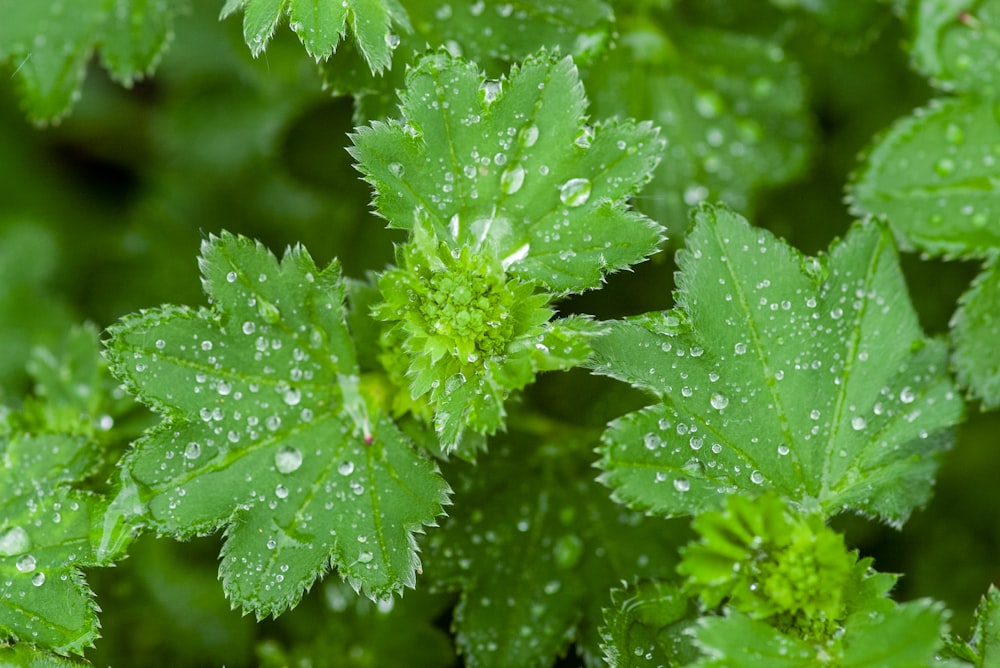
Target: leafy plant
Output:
[{"x": 385, "y": 446}]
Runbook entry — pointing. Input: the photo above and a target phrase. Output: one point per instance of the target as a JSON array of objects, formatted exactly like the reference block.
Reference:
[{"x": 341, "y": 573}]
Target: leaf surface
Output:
[
  {"x": 952, "y": 38},
  {"x": 49, "y": 44},
  {"x": 535, "y": 546},
  {"x": 267, "y": 435},
  {"x": 935, "y": 175},
  {"x": 45, "y": 537},
  {"x": 644, "y": 626},
  {"x": 732, "y": 108},
  {"x": 975, "y": 330},
  {"x": 320, "y": 25},
  {"x": 808, "y": 376},
  {"x": 509, "y": 165}
]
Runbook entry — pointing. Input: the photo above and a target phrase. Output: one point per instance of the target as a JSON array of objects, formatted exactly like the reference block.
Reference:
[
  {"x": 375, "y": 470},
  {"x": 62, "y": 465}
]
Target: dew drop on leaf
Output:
[
  {"x": 719, "y": 401},
  {"x": 906, "y": 395},
  {"x": 345, "y": 468},
  {"x": 757, "y": 477},
  {"x": 512, "y": 179},
  {"x": 528, "y": 135},
  {"x": 231, "y": 277},
  {"x": 365, "y": 557},
  {"x": 857, "y": 423},
  {"x": 14, "y": 541},
  {"x": 281, "y": 492},
  {"x": 287, "y": 459},
  {"x": 575, "y": 192},
  {"x": 192, "y": 451},
  {"x": 396, "y": 169},
  {"x": 38, "y": 579},
  {"x": 26, "y": 564},
  {"x": 682, "y": 484}
]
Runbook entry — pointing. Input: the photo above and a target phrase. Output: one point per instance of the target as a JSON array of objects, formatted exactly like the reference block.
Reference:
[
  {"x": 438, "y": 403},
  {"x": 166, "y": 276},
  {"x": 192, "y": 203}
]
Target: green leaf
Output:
[
  {"x": 806, "y": 376},
  {"x": 535, "y": 546},
  {"x": 320, "y": 25},
  {"x": 732, "y": 107},
  {"x": 341, "y": 630},
  {"x": 267, "y": 435},
  {"x": 26, "y": 656},
  {"x": 510, "y": 165},
  {"x": 905, "y": 636},
  {"x": 975, "y": 328},
  {"x": 645, "y": 626},
  {"x": 983, "y": 647},
  {"x": 49, "y": 45},
  {"x": 494, "y": 35},
  {"x": 951, "y": 41},
  {"x": 935, "y": 176},
  {"x": 45, "y": 538}
]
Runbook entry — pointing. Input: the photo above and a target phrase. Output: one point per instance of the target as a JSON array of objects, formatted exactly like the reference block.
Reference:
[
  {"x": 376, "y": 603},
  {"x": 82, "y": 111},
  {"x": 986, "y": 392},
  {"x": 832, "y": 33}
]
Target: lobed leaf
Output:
[
  {"x": 267, "y": 435},
  {"x": 732, "y": 107},
  {"x": 935, "y": 176},
  {"x": 534, "y": 546},
  {"x": 807, "y": 376},
  {"x": 320, "y": 25},
  {"x": 975, "y": 329},
  {"x": 509, "y": 165},
  {"x": 645, "y": 626},
  {"x": 951, "y": 41},
  {"x": 47, "y": 533},
  {"x": 26, "y": 656},
  {"x": 904, "y": 636},
  {"x": 49, "y": 45}
]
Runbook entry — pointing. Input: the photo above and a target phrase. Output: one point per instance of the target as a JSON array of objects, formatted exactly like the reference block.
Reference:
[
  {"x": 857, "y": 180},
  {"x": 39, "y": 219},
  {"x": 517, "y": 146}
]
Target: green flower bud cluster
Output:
[
  {"x": 459, "y": 326},
  {"x": 772, "y": 564}
]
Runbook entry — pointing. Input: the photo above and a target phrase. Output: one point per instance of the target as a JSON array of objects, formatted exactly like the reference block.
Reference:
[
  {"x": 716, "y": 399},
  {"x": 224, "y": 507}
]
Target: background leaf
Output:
[{"x": 975, "y": 330}]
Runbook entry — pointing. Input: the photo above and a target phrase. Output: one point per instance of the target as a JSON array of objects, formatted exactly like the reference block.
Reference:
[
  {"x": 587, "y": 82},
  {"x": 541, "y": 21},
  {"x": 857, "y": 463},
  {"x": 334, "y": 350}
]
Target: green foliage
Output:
[
  {"x": 806, "y": 376},
  {"x": 261, "y": 399},
  {"x": 388, "y": 453},
  {"x": 50, "y": 44}
]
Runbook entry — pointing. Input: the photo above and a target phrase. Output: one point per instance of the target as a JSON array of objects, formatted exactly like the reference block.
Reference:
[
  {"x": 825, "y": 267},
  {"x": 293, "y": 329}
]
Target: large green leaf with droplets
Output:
[
  {"x": 936, "y": 177},
  {"x": 49, "y": 42},
  {"x": 266, "y": 433},
  {"x": 807, "y": 376},
  {"x": 510, "y": 165},
  {"x": 952, "y": 39},
  {"x": 732, "y": 107},
  {"x": 975, "y": 331},
  {"x": 46, "y": 530},
  {"x": 535, "y": 547},
  {"x": 903, "y": 636},
  {"x": 320, "y": 25}
]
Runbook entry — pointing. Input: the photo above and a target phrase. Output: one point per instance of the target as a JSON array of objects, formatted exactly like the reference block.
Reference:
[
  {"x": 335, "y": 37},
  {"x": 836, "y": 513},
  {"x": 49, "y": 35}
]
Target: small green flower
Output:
[
  {"x": 463, "y": 335},
  {"x": 764, "y": 560}
]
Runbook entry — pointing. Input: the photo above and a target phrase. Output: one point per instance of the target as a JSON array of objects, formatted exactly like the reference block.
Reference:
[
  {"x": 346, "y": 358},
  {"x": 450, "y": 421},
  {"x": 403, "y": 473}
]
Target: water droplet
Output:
[
  {"x": 192, "y": 451},
  {"x": 26, "y": 564},
  {"x": 652, "y": 441},
  {"x": 954, "y": 134},
  {"x": 528, "y": 136},
  {"x": 858, "y": 423},
  {"x": 292, "y": 396},
  {"x": 38, "y": 579},
  {"x": 287, "y": 459},
  {"x": 906, "y": 395},
  {"x": 454, "y": 383},
  {"x": 14, "y": 541},
  {"x": 719, "y": 401},
  {"x": 272, "y": 423},
  {"x": 391, "y": 40},
  {"x": 281, "y": 492},
  {"x": 396, "y": 169},
  {"x": 271, "y": 544},
  {"x": 575, "y": 192},
  {"x": 231, "y": 277},
  {"x": 345, "y": 468},
  {"x": 206, "y": 345},
  {"x": 756, "y": 477},
  {"x": 740, "y": 348},
  {"x": 512, "y": 179},
  {"x": 365, "y": 557},
  {"x": 249, "y": 327},
  {"x": 783, "y": 450},
  {"x": 160, "y": 344},
  {"x": 681, "y": 484},
  {"x": 489, "y": 91},
  {"x": 944, "y": 166}
]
